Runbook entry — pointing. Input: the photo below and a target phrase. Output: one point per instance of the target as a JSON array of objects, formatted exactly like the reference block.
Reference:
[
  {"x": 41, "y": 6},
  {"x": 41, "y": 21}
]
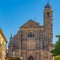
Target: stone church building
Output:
[{"x": 33, "y": 41}]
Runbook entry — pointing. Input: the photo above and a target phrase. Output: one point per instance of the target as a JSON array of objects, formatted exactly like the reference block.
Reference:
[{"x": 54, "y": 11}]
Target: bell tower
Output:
[{"x": 48, "y": 18}]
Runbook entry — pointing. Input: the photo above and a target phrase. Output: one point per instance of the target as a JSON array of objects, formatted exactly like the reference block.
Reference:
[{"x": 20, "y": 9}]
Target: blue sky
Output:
[{"x": 14, "y": 13}]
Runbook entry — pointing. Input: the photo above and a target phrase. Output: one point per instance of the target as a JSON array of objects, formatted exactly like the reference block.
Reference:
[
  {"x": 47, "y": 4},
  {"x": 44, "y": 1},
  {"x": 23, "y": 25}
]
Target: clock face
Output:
[{"x": 31, "y": 44}]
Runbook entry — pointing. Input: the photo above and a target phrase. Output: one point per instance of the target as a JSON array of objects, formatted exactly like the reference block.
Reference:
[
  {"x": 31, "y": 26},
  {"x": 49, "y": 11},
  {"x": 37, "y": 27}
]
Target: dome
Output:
[{"x": 48, "y": 6}]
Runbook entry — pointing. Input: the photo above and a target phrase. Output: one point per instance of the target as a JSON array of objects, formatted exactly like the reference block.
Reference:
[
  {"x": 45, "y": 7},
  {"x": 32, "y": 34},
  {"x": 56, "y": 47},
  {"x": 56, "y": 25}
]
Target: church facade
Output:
[{"x": 33, "y": 41}]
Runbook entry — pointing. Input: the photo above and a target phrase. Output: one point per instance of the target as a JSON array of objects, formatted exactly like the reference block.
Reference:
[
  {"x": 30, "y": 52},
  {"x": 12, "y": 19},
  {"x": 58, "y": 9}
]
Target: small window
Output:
[
  {"x": 30, "y": 35},
  {"x": 48, "y": 14}
]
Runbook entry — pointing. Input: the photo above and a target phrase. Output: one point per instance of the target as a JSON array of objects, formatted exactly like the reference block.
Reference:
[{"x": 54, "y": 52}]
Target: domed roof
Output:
[{"x": 47, "y": 5}]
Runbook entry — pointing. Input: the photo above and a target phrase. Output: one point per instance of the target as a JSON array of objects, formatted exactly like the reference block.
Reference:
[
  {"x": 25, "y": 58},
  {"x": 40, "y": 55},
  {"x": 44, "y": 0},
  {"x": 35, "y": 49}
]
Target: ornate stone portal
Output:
[
  {"x": 33, "y": 41},
  {"x": 30, "y": 58}
]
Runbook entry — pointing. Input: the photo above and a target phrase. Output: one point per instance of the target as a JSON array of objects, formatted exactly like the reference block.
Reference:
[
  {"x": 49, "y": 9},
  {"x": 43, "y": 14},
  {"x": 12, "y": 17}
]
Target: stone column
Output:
[{"x": 38, "y": 57}]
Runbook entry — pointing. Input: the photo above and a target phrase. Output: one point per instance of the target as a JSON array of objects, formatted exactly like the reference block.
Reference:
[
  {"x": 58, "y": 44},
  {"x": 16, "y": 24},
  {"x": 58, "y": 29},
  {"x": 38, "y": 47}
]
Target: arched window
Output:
[
  {"x": 48, "y": 14},
  {"x": 30, "y": 35}
]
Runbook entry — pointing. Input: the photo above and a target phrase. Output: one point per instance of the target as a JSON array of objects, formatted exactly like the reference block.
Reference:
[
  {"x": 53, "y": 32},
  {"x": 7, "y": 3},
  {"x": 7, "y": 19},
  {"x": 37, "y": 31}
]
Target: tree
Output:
[{"x": 56, "y": 50}]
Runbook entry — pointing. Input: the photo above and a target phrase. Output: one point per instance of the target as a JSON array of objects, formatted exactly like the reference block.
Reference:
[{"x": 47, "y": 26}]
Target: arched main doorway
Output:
[{"x": 30, "y": 58}]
